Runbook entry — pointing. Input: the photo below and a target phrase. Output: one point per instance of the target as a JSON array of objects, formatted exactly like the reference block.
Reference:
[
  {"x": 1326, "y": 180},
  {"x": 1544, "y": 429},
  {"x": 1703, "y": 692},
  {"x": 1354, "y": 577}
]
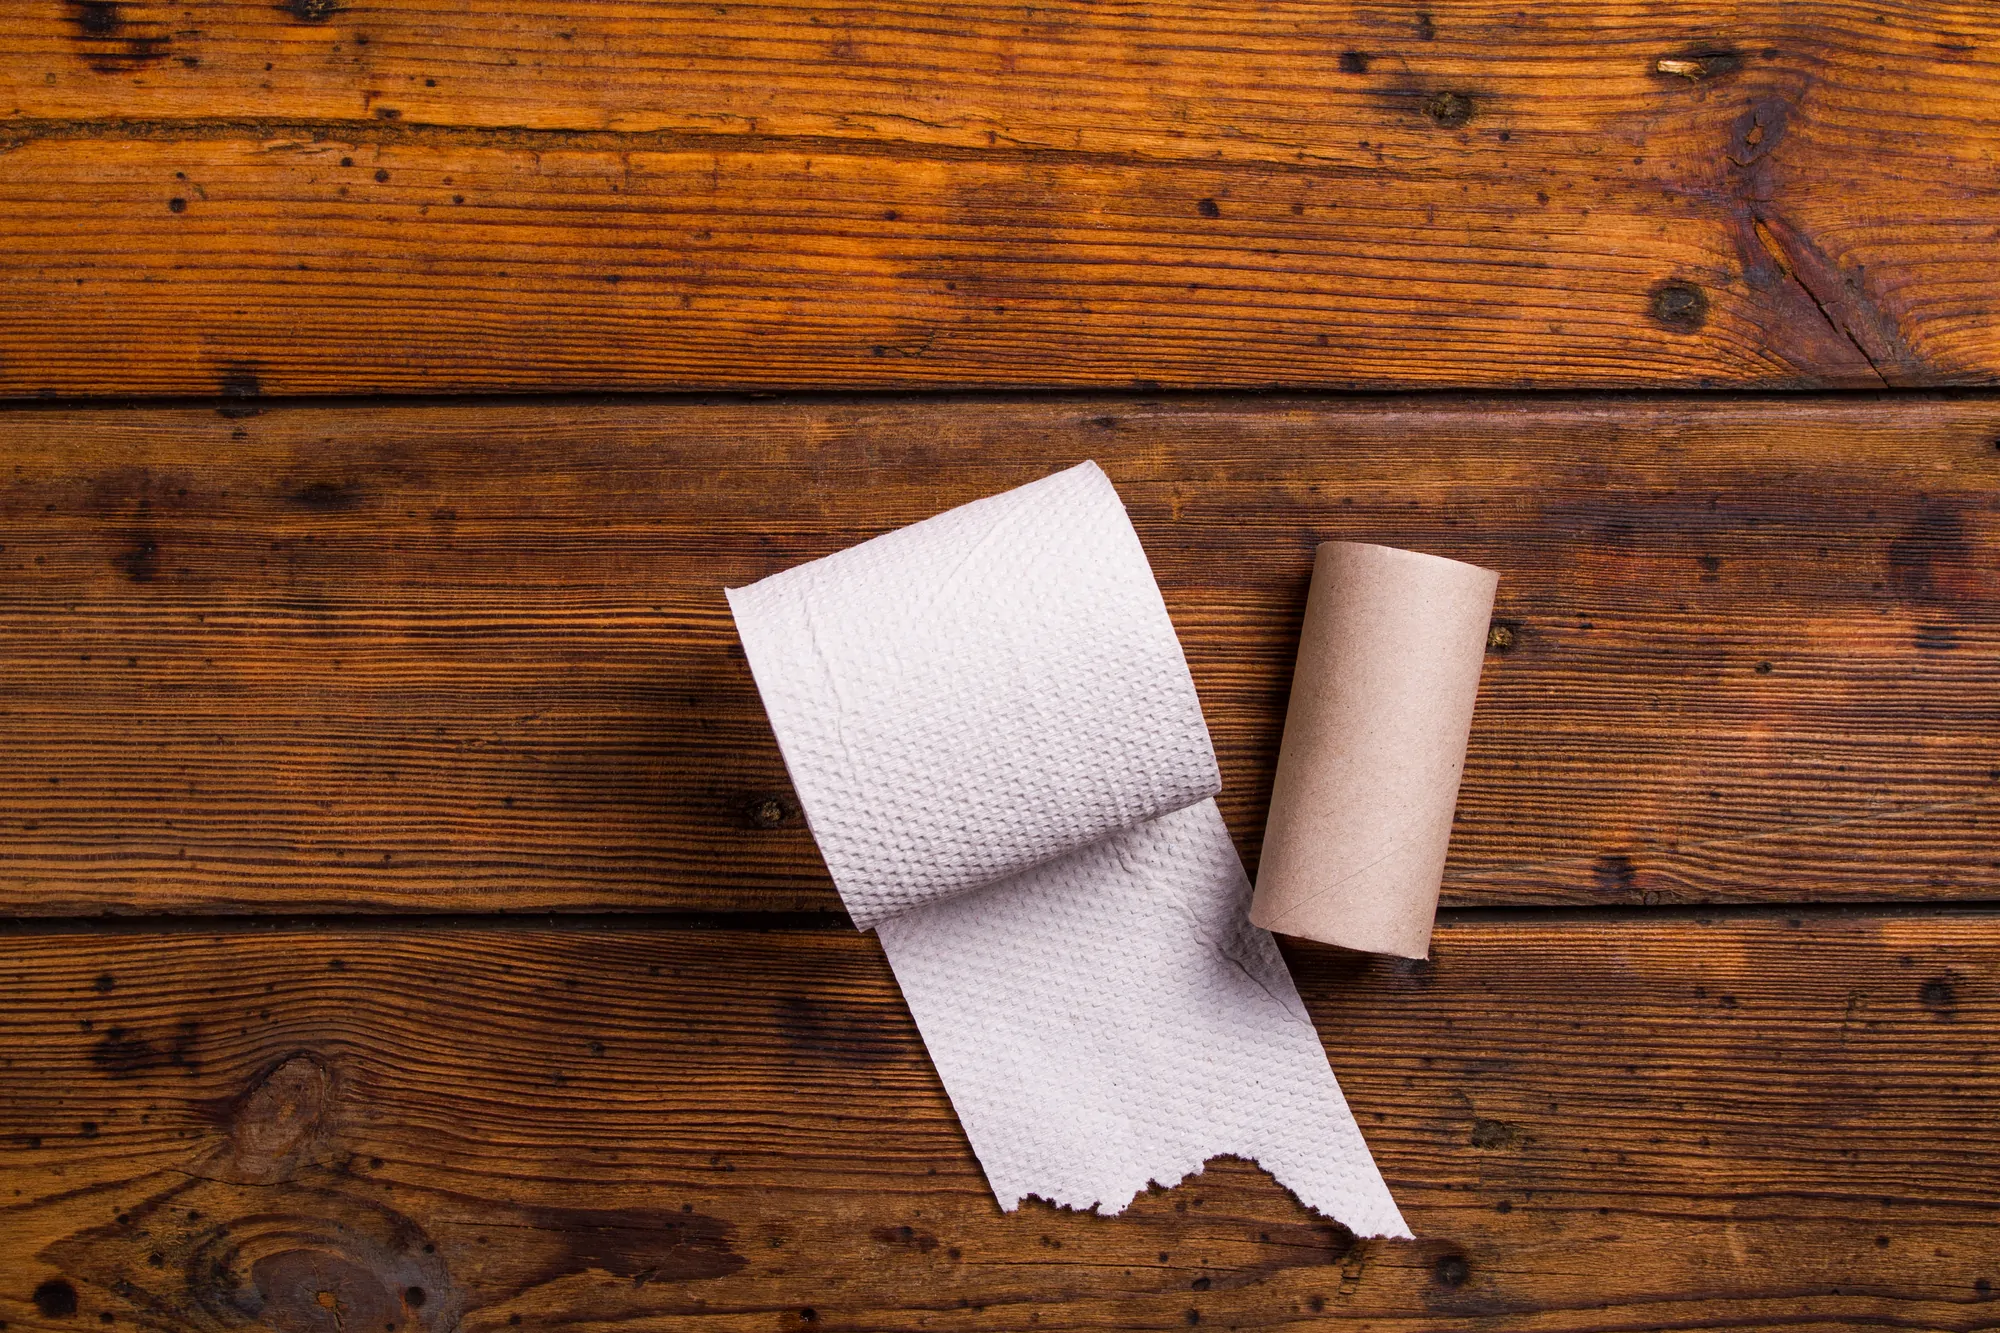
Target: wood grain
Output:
[
  {"x": 1591, "y": 1126},
  {"x": 476, "y": 658},
  {"x": 317, "y": 197}
]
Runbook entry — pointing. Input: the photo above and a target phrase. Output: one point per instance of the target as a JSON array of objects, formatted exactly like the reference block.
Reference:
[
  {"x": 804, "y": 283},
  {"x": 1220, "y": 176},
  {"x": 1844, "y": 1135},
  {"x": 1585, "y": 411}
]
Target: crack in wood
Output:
[
  {"x": 281, "y": 134},
  {"x": 1841, "y": 334}
]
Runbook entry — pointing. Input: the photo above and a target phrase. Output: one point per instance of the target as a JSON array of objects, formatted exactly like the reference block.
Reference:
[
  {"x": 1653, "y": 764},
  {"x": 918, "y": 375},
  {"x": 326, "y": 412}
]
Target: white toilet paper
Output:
[{"x": 997, "y": 745}]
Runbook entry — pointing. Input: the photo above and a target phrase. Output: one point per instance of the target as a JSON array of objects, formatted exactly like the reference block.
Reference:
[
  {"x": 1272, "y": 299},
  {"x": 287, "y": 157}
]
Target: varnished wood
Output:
[
  {"x": 372, "y": 656},
  {"x": 314, "y": 196},
  {"x": 477, "y": 658},
  {"x": 1658, "y": 1124}
]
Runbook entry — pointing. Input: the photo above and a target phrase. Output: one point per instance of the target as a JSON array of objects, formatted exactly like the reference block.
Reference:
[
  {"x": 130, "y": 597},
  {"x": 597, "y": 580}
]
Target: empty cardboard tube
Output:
[{"x": 1374, "y": 744}]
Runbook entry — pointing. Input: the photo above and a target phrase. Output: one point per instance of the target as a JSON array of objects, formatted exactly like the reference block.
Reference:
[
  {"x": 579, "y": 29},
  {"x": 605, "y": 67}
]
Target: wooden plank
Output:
[
  {"x": 1591, "y": 1126},
  {"x": 1179, "y": 79},
  {"x": 317, "y": 197},
  {"x": 477, "y": 657}
]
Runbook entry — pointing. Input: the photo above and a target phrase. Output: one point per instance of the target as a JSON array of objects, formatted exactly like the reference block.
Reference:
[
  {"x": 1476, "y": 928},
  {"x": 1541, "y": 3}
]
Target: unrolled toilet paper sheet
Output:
[{"x": 997, "y": 745}]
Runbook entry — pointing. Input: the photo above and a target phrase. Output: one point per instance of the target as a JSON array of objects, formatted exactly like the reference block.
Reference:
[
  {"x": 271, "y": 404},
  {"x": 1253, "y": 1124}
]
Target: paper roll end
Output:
[{"x": 1412, "y": 565}]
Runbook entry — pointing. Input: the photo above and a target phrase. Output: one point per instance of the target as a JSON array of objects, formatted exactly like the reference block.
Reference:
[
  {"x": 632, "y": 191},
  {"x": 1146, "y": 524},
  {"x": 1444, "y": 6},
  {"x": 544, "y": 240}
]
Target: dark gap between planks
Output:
[
  {"x": 822, "y": 922},
  {"x": 1304, "y": 393}
]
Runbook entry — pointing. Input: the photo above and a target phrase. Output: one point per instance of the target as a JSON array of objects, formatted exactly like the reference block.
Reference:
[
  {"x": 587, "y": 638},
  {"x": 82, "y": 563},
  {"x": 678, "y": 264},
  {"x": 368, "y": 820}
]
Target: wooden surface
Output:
[
  {"x": 217, "y": 196},
  {"x": 477, "y": 658},
  {"x": 305, "y": 707},
  {"x": 1591, "y": 1126}
]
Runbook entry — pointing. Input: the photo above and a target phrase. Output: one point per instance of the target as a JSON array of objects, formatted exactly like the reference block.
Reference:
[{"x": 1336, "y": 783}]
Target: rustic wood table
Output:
[{"x": 405, "y": 920}]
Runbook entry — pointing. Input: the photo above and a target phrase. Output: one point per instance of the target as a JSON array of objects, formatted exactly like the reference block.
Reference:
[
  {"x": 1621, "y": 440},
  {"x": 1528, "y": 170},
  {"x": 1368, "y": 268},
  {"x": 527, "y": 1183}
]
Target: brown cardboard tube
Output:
[{"x": 1374, "y": 743}]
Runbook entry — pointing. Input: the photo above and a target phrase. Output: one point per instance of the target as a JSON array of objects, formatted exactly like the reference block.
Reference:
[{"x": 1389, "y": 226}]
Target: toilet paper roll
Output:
[
  {"x": 1375, "y": 738},
  {"x": 998, "y": 746}
]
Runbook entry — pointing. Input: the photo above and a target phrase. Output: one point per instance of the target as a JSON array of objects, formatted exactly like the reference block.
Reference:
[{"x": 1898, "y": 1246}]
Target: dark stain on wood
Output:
[
  {"x": 1615, "y": 875},
  {"x": 1933, "y": 562},
  {"x": 326, "y": 496},
  {"x": 254, "y": 1233},
  {"x": 139, "y": 560},
  {"x": 121, "y": 1051},
  {"x": 95, "y": 18},
  {"x": 55, "y": 1299},
  {"x": 1939, "y": 996},
  {"x": 906, "y": 1238},
  {"x": 644, "y": 1245},
  {"x": 1417, "y": 973},
  {"x": 846, "y": 1031},
  {"x": 312, "y": 1291},
  {"x": 1310, "y": 1244},
  {"x": 109, "y": 42}
]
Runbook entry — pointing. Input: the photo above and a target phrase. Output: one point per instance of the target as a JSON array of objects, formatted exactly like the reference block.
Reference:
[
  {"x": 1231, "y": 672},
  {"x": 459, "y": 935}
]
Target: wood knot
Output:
[
  {"x": 201, "y": 1255},
  {"x": 1695, "y": 66},
  {"x": 1452, "y": 1271},
  {"x": 306, "y": 1276},
  {"x": 767, "y": 810},
  {"x": 1448, "y": 110},
  {"x": 1758, "y": 130},
  {"x": 1679, "y": 305},
  {"x": 1494, "y": 1134},
  {"x": 280, "y": 1123},
  {"x": 301, "y": 1291}
]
